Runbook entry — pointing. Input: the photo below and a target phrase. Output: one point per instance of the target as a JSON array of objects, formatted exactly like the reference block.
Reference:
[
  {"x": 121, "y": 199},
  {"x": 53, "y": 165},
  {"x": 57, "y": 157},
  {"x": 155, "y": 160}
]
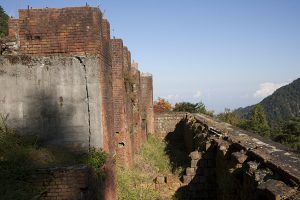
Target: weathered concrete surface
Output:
[{"x": 56, "y": 98}]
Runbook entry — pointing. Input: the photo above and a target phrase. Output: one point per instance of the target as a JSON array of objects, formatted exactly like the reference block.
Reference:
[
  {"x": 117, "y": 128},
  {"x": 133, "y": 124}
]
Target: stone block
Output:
[
  {"x": 187, "y": 179},
  {"x": 195, "y": 155},
  {"x": 160, "y": 180},
  {"x": 194, "y": 163},
  {"x": 190, "y": 171},
  {"x": 275, "y": 190},
  {"x": 239, "y": 157}
]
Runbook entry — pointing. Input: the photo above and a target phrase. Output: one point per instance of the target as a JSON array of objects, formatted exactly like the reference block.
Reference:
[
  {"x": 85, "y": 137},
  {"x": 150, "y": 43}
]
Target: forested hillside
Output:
[{"x": 282, "y": 105}]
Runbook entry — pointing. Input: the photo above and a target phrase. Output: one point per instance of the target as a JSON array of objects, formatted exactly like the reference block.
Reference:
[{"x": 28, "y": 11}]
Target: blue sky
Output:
[{"x": 225, "y": 53}]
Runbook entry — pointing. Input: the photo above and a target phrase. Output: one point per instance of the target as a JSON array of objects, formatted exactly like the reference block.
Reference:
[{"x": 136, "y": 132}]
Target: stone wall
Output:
[
  {"x": 166, "y": 123},
  {"x": 228, "y": 163}
]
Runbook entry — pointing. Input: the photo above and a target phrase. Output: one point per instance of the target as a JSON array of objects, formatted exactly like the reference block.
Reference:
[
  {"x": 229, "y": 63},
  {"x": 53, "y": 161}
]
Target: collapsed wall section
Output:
[{"x": 229, "y": 163}]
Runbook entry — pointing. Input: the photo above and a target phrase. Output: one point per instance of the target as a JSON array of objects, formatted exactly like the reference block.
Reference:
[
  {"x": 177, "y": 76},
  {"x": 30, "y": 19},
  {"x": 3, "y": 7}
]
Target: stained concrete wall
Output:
[{"x": 56, "y": 98}]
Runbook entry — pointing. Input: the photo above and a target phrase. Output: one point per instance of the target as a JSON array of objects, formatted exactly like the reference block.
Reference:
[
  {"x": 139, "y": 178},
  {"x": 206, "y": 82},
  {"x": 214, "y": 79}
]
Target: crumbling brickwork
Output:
[
  {"x": 228, "y": 163},
  {"x": 73, "y": 182},
  {"x": 112, "y": 100},
  {"x": 13, "y": 28}
]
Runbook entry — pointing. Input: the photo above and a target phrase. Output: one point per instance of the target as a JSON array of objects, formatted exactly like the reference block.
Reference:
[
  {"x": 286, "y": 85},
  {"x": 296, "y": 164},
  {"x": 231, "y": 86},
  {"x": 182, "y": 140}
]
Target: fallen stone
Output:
[{"x": 239, "y": 157}]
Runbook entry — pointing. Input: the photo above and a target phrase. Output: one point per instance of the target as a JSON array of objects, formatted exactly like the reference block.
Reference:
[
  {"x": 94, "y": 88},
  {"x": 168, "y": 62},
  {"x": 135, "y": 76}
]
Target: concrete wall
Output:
[{"x": 56, "y": 98}]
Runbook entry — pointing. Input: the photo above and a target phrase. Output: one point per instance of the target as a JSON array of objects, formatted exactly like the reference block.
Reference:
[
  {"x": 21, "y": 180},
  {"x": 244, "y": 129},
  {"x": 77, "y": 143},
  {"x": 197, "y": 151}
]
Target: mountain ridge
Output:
[{"x": 282, "y": 105}]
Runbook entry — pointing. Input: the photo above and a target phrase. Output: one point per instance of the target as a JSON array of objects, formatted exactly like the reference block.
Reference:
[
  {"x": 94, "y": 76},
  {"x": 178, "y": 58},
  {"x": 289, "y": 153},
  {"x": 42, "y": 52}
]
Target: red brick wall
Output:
[
  {"x": 13, "y": 28},
  {"x": 137, "y": 136},
  {"x": 147, "y": 101},
  {"x": 75, "y": 31},
  {"x": 107, "y": 110},
  {"x": 124, "y": 149},
  {"x": 64, "y": 183}
]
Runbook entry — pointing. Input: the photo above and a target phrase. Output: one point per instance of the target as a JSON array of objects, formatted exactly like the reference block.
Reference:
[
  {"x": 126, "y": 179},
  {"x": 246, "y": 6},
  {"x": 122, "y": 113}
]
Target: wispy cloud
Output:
[
  {"x": 198, "y": 94},
  {"x": 267, "y": 88}
]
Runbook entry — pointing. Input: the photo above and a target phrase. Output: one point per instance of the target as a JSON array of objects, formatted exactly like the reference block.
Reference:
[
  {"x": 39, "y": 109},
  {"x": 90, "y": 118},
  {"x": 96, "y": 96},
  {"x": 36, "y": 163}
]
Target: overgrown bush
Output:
[
  {"x": 96, "y": 159},
  {"x": 15, "y": 165},
  {"x": 20, "y": 156}
]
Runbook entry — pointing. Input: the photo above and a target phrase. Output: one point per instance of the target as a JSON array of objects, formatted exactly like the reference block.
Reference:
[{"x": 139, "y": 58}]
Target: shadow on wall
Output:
[
  {"x": 51, "y": 119},
  {"x": 176, "y": 149}
]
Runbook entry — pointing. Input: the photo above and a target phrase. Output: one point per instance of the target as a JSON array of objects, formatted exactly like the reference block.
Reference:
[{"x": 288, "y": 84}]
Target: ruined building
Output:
[
  {"x": 65, "y": 80},
  {"x": 70, "y": 84}
]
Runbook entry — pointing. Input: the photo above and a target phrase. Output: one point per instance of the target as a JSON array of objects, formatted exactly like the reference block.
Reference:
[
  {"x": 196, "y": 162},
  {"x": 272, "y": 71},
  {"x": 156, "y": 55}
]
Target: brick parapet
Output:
[{"x": 47, "y": 32}]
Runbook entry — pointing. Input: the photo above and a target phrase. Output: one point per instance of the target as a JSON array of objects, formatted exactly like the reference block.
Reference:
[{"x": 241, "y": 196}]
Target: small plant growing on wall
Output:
[{"x": 96, "y": 159}]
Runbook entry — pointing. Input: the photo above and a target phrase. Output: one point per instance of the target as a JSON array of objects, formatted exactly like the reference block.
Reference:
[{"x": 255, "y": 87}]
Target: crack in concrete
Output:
[{"x": 87, "y": 96}]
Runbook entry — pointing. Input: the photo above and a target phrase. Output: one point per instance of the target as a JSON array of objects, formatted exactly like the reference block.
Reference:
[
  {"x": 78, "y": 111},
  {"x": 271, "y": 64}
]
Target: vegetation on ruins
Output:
[
  {"x": 138, "y": 182},
  {"x": 162, "y": 105},
  {"x": 20, "y": 156},
  {"x": 3, "y": 23}
]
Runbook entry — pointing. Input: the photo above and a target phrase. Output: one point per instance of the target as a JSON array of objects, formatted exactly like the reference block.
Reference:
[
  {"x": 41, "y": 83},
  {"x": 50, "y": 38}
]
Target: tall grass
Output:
[
  {"x": 138, "y": 183},
  {"x": 20, "y": 156},
  {"x": 153, "y": 151}
]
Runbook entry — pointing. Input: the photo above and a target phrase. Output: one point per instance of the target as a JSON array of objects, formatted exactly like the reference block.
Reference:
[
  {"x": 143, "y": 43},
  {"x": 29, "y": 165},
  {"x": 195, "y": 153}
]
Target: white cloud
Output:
[
  {"x": 198, "y": 94},
  {"x": 267, "y": 88}
]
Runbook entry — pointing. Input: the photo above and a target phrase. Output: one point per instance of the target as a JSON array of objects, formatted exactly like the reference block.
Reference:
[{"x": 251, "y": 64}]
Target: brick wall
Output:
[
  {"x": 73, "y": 31},
  {"x": 147, "y": 103},
  {"x": 124, "y": 149},
  {"x": 13, "y": 28},
  {"x": 81, "y": 33},
  {"x": 74, "y": 182}
]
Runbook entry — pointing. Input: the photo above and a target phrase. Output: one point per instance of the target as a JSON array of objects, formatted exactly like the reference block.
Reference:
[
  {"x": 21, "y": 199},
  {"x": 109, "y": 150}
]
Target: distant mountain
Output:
[{"x": 282, "y": 105}]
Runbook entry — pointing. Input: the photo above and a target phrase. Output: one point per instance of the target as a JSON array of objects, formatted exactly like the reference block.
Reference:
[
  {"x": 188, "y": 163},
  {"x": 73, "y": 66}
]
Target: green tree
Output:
[
  {"x": 258, "y": 122},
  {"x": 192, "y": 108},
  {"x": 3, "y": 23},
  {"x": 230, "y": 117},
  {"x": 289, "y": 133}
]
